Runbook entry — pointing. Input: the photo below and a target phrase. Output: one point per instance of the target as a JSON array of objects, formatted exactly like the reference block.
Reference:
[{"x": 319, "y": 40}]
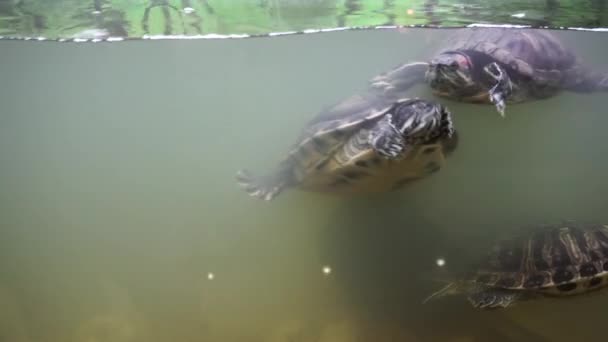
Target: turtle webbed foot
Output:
[
  {"x": 502, "y": 89},
  {"x": 387, "y": 148},
  {"x": 386, "y": 140},
  {"x": 492, "y": 298},
  {"x": 261, "y": 188}
]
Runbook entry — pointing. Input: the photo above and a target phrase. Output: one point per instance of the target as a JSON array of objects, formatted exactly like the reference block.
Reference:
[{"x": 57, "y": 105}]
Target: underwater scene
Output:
[{"x": 412, "y": 184}]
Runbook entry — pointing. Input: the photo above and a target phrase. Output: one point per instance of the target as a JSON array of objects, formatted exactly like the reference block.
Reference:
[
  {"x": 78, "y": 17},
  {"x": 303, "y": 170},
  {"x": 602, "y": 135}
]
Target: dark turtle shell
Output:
[
  {"x": 558, "y": 259},
  {"x": 524, "y": 50},
  {"x": 333, "y": 126}
]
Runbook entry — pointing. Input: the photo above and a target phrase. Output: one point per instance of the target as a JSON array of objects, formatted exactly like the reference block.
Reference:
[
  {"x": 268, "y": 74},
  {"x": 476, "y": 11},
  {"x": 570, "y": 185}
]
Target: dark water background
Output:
[{"x": 118, "y": 199}]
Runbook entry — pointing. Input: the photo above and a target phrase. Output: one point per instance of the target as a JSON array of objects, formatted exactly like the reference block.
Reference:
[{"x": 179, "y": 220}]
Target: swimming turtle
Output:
[
  {"x": 497, "y": 65},
  {"x": 366, "y": 143},
  {"x": 563, "y": 259}
]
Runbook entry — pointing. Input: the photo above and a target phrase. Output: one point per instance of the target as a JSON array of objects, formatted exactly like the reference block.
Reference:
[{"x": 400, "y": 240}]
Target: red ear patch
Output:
[{"x": 463, "y": 61}]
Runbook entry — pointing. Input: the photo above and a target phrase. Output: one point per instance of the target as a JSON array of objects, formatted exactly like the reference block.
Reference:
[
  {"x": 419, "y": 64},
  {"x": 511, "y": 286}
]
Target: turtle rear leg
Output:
[
  {"x": 502, "y": 89},
  {"x": 266, "y": 188},
  {"x": 492, "y": 298}
]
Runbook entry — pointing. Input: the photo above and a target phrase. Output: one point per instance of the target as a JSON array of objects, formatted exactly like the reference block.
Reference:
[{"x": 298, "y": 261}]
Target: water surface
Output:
[{"x": 136, "y": 18}]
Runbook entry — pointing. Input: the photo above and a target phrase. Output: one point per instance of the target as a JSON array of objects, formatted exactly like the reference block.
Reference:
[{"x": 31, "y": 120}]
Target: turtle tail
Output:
[{"x": 265, "y": 188}]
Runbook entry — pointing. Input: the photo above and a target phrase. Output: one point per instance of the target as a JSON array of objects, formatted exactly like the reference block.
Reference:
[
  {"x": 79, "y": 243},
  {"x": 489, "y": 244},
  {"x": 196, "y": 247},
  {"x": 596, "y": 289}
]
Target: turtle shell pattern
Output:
[
  {"x": 561, "y": 259},
  {"x": 317, "y": 164},
  {"x": 536, "y": 60}
]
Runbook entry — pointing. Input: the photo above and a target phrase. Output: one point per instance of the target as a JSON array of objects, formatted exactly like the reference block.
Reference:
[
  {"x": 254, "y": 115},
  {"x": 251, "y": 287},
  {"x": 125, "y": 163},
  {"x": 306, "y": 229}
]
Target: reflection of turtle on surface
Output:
[
  {"x": 99, "y": 20},
  {"x": 497, "y": 65},
  {"x": 366, "y": 143},
  {"x": 19, "y": 18},
  {"x": 192, "y": 17},
  {"x": 166, "y": 7},
  {"x": 187, "y": 7},
  {"x": 553, "y": 260}
]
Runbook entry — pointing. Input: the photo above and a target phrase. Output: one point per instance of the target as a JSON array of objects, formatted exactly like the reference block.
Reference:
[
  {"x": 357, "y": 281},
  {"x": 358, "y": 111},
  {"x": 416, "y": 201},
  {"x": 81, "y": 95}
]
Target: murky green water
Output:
[{"x": 121, "y": 220}]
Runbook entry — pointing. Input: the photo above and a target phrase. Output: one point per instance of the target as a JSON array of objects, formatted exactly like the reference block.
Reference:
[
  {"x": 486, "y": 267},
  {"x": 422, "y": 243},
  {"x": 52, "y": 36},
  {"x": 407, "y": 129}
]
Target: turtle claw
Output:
[
  {"x": 498, "y": 99},
  {"x": 500, "y": 107},
  {"x": 387, "y": 148},
  {"x": 393, "y": 151},
  {"x": 381, "y": 84},
  {"x": 261, "y": 188},
  {"x": 387, "y": 140},
  {"x": 493, "y": 299}
]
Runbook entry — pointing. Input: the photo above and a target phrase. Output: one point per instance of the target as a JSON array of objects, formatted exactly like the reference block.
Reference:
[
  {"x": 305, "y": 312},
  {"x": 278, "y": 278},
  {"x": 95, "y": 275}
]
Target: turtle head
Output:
[{"x": 451, "y": 73}]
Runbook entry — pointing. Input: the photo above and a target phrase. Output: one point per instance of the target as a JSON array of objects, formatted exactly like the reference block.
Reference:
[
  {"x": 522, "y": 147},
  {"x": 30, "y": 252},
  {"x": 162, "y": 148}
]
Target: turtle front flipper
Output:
[
  {"x": 386, "y": 139},
  {"x": 398, "y": 80},
  {"x": 503, "y": 87},
  {"x": 265, "y": 188},
  {"x": 491, "y": 298}
]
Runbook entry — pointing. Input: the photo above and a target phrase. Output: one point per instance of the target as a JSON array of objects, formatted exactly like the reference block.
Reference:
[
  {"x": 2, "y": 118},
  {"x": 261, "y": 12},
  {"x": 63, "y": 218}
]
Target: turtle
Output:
[
  {"x": 365, "y": 143},
  {"x": 497, "y": 65},
  {"x": 549, "y": 260}
]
